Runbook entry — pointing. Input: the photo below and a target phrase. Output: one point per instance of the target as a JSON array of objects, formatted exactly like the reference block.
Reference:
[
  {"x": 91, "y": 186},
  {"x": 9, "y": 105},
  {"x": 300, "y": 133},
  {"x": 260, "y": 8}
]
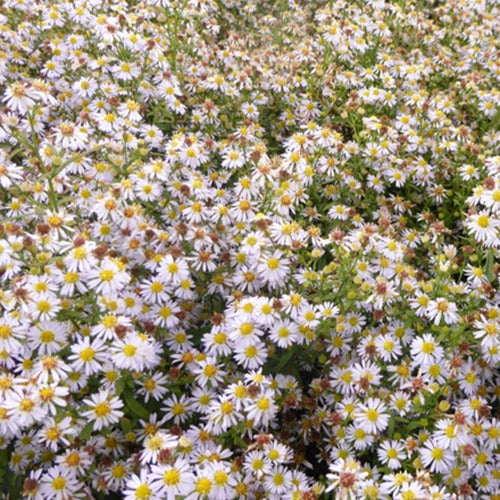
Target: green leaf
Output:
[
  {"x": 401, "y": 419},
  {"x": 4, "y": 462},
  {"x": 135, "y": 407},
  {"x": 4, "y": 458},
  {"x": 120, "y": 385},
  {"x": 87, "y": 431},
  {"x": 490, "y": 260},
  {"x": 285, "y": 358},
  {"x": 126, "y": 424},
  {"x": 390, "y": 430},
  {"x": 413, "y": 425},
  {"x": 239, "y": 442}
]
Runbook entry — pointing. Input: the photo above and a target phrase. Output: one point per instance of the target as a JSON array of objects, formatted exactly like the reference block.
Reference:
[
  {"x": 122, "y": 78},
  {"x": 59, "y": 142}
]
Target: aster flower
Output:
[
  {"x": 108, "y": 278},
  {"x": 19, "y": 98},
  {"x": 59, "y": 483},
  {"x": 391, "y": 453},
  {"x": 435, "y": 456},
  {"x": 425, "y": 350},
  {"x": 140, "y": 486},
  {"x": 262, "y": 409},
  {"x": 344, "y": 478},
  {"x": 372, "y": 416},
  {"x": 485, "y": 228},
  {"x": 103, "y": 409},
  {"x": 88, "y": 355},
  {"x": 172, "y": 480},
  {"x": 55, "y": 434},
  {"x": 442, "y": 309},
  {"x": 155, "y": 444},
  {"x": 23, "y": 407},
  {"x": 161, "y": 277}
]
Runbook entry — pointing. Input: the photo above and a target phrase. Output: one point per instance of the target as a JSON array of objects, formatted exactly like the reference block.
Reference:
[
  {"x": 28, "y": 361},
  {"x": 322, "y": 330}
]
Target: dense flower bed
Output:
[{"x": 249, "y": 249}]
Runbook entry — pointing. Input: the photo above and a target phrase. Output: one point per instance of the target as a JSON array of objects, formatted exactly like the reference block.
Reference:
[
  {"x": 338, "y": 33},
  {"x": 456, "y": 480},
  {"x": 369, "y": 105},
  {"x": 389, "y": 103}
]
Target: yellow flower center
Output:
[
  {"x": 58, "y": 483},
  {"x": 427, "y": 347},
  {"x": 129, "y": 350},
  {"x": 483, "y": 221},
  {"x": 79, "y": 253},
  {"x": 171, "y": 477},
  {"x": 71, "y": 278},
  {"x": 73, "y": 459},
  {"x": 246, "y": 329},
  {"x": 5, "y": 331},
  {"x": 106, "y": 275},
  {"x": 173, "y": 268},
  {"x": 220, "y": 477},
  {"x": 359, "y": 434},
  {"x": 53, "y": 433},
  {"x": 26, "y": 405},
  {"x": 263, "y": 404},
  {"x": 210, "y": 370},
  {"x": 273, "y": 264},
  {"x": 43, "y": 306},
  {"x": 87, "y": 354},
  {"x": 251, "y": 351},
  {"x": 46, "y": 393},
  {"x": 143, "y": 492},
  {"x": 442, "y": 306},
  {"x": 203, "y": 486},
  {"x": 226, "y": 407},
  {"x": 408, "y": 495},
  {"x": 110, "y": 321},
  {"x": 437, "y": 454},
  {"x": 388, "y": 345},
  {"x": 102, "y": 409},
  {"x": 278, "y": 479},
  {"x": 178, "y": 409},
  {"x": 156, "y": 287}
]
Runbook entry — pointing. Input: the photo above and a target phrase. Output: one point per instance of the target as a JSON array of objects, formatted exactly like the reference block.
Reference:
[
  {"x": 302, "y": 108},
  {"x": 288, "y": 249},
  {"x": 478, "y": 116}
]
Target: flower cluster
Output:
[{"x": 248, "y": 249}]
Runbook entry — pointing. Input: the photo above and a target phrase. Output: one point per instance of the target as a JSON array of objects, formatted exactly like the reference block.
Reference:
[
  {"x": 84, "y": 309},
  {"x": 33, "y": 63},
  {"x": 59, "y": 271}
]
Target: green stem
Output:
[{"x": 33, "y": 145}]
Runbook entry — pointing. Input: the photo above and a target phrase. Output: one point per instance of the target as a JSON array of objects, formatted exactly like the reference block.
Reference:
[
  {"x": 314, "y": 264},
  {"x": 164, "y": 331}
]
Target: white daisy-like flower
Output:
[
  {"x": 274, "y": 269},
  {"x": 442, "y": 309},
  {"x": 155, "y": 444},
  {"x": 19, "y": 98},
  {"x": 140, "y": 487},
  {"x": 108, "y": 279},
  {"x": 59, "y": 483},
  {"x": 344, "y": 478},
  {"x": 372, "y": 416},
  {"x": 172, "y": 480},
  {"x": 88, "y": 355},
  {"x": 103, "y": 410},
  {"x": 485, "y": 228},
  {"x": 391, "y": 453},
  {"x": 262, "y": 409},
  {"x": 436, "y": 456}
]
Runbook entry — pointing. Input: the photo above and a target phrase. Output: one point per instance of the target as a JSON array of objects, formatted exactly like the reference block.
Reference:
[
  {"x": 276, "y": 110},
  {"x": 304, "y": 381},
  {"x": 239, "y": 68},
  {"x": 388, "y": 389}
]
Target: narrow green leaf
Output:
[
  {"x": 401, "y": 419},
  {"x": 120, "y": 385},
  {"x": 390, "y": 430},
  {"x": 135, "y": 407},
  {"x": 239, "y": 442},
  {"x": 490, "y": 260},
  {"x": 4, "y": 459},
  {"x": 126, "y": 424},
  {"x": 285, "y": 358},
  {"x": 414, "y": 424},
  {"x": 87, "y": 431}
]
